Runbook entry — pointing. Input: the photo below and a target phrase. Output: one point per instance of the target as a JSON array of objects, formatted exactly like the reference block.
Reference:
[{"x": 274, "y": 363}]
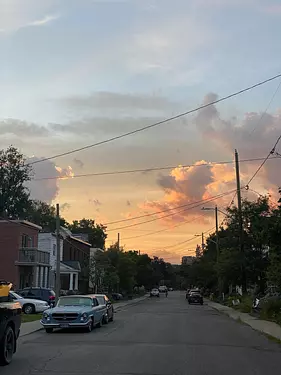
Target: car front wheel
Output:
[
  {"x": 28, "y": 309},
  {"x": 49, "y": 330}
]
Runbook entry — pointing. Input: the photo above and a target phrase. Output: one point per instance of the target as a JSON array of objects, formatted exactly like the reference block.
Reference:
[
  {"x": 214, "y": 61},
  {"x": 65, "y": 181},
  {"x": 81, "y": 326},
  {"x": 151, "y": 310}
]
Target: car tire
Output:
[
  {"x": 90, "y": 326},
  {"x": 28, "y": 309},
  {"x": 201, "y": 303},
  {"x": 49, "y": 330},
  {"x": 158, "y": 296},
  {"x": 189, "y": 302},
  {"x": 7, "y": 346}
]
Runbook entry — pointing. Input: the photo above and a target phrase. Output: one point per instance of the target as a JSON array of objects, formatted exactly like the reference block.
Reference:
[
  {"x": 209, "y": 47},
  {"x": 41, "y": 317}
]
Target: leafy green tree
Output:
[
  {"x": 43, "y": 214},
  {"x": 14, "y": 174},
  {"x": 96, "y": 232}
]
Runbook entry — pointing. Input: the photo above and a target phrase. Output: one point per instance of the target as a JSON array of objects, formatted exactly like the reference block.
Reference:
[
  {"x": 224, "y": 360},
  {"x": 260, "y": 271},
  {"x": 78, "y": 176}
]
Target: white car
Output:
[
  {"x": 154, "y": 293},
  {"x": 163, "y": 289},
  {"x": 30, "y": 306}
]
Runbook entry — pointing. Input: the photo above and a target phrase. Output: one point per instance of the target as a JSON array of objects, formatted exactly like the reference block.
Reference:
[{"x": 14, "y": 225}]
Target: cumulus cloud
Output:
[
  {"x": 254, "y": 136},
  {"x": 189, "y": 185},
  {"x": 42, "y": 188}
]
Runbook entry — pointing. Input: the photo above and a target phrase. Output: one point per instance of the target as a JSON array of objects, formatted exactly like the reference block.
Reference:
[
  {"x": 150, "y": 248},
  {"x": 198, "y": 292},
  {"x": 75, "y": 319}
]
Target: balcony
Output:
[{"x": 33, "y": 257}]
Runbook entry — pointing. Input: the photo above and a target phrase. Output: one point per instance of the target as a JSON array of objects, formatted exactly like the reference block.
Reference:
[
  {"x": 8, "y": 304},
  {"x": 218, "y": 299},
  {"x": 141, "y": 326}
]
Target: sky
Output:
[{"x": 73, "y": 73}]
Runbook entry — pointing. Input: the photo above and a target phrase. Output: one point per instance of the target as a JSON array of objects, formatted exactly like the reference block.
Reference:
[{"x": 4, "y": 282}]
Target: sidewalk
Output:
[
  {"x": 262, "y": 326},
  {"x": 28, "y": 328}
]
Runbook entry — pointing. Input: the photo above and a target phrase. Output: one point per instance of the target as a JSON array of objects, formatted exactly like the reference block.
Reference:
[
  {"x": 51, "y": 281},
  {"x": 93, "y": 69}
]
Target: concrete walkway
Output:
[
  {"x": 30, "y": 327},
  {"x": 262, "y": 326}
]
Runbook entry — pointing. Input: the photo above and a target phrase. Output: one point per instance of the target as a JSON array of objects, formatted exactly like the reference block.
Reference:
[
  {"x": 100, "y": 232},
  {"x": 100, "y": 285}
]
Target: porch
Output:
[{"x": 70, "y": 276}]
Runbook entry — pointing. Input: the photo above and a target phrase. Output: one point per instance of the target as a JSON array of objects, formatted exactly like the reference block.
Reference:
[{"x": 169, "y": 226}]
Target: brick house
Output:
[
  {"x": 21, "y": 262},
  {"x": 76, "y": 254}
]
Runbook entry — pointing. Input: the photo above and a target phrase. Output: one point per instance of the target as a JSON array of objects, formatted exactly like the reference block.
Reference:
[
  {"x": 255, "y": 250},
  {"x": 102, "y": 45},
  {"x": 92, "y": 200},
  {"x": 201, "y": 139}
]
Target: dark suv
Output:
[{"x": 44, "y": 294}]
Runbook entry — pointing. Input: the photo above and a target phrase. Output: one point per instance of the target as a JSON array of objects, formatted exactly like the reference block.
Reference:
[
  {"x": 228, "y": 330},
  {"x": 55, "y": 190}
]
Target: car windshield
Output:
[
  {"x": 15, "y": 295},
  {"x": 74, "y": 301}
]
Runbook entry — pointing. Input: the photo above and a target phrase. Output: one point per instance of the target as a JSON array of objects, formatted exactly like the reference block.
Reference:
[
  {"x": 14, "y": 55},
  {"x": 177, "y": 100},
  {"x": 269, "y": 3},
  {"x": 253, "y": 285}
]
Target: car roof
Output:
[{"x": 76, "y": 296}]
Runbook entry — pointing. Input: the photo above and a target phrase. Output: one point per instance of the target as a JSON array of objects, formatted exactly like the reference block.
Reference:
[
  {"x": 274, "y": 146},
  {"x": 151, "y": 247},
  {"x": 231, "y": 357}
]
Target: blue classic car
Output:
[{"x": 75, "y": 312}]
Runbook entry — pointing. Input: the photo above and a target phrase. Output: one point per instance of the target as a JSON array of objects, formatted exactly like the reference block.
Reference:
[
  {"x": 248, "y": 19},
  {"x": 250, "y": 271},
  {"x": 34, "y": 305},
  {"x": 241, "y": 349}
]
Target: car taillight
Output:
[{"x": 52, "y": 298}]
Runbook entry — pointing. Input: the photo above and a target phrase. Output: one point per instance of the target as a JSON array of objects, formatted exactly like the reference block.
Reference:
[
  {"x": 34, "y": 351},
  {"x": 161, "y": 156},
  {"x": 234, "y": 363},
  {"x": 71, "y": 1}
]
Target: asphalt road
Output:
[{"x": 162, "y": 336}]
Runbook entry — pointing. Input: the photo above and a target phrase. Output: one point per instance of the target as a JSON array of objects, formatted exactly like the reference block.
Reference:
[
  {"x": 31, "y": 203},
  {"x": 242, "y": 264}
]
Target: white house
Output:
[{"x": 48, "y": 242}]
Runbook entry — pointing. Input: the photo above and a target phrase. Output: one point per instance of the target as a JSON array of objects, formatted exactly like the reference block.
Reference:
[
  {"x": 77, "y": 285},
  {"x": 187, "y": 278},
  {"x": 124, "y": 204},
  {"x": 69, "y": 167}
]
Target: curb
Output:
[{"x": 269, "y": 328}]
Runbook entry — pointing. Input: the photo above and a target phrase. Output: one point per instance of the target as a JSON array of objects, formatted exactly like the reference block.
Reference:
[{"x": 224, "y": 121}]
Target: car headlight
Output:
[
  {"x": 46, "y": 316},
  {"x": 84, "y": 317}
]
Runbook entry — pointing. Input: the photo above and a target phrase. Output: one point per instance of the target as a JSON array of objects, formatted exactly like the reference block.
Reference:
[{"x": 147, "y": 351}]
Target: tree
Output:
[
  {"x": 43, "y": 214},
  {"x": 14, "y": 174},
  {"x": 96, "y": 232}
]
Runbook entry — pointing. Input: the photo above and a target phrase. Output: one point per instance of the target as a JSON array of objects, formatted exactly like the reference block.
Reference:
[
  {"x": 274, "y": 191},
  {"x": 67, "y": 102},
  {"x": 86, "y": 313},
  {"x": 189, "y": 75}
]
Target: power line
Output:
[
  {"x": 147, "y": 169},
  {"x": 267, "y": 108},
  {"x": 162, "y": 211},
  {"x": 271, "y": 152},
  {"x": 181, "y": 243},
  {"x": 159, "y": 122},
  {"x": 172, "y": 214},
  {"x": 160, "y": 231}
]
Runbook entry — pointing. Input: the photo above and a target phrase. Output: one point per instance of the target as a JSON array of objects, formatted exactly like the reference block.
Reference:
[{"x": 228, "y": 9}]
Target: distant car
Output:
[
  {"x": 171, "y": 289},
  {"x": 103, "y": 300},
  {"x": 74, "y": 312},
  {"x": 191, "y": 291},
  {"x": 29, "y": 306},
  {"x": 195, "y": 298},
  {"x": 163, "y": 289},
  {"x": 154, "y": 293},
  {"x": 43, "y": 294},
  {"x": 117, "y": 296}
]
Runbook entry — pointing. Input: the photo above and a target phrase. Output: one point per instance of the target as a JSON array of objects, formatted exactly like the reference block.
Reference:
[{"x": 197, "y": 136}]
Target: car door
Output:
[{"x": 97, "y": 312}]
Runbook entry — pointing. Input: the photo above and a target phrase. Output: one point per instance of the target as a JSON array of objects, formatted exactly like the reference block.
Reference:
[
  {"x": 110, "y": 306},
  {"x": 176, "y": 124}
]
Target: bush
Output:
[{"x": 271, "y": 310}]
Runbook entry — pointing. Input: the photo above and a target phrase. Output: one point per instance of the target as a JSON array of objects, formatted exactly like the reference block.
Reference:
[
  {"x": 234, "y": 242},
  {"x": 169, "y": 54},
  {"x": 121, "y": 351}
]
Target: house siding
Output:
[{"x": 10, "y": 244}]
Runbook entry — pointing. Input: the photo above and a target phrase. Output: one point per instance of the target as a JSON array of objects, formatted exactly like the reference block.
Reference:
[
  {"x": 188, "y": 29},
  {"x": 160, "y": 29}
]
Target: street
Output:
[{"x": 157, "y": 336}]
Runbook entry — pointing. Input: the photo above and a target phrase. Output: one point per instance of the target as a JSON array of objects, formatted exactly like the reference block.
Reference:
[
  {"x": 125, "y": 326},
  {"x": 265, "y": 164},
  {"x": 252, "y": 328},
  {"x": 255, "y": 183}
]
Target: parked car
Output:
[
  {"x": 10, "y": 322},
  {"x": 195, "y": 298},
  {"x": 74, "y": 312},
  {"x": 28, "y": 305},
  {"x": 103, "y": 300},
  {"x": 191, "y": 291},
  {"x": 117, "y": 296},
  {"x": 154, "y": 292},
  {"x": 43, "y": 294}
]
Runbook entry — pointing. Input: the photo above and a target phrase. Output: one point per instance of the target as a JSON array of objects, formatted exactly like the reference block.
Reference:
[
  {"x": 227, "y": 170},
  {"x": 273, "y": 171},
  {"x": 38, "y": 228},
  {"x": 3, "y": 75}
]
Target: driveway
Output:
[{"x": 161, "y": 336}]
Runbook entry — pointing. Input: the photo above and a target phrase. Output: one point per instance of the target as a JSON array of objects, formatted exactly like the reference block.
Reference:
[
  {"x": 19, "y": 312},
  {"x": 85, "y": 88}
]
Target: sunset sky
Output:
[{"x": 76, "y": 72}]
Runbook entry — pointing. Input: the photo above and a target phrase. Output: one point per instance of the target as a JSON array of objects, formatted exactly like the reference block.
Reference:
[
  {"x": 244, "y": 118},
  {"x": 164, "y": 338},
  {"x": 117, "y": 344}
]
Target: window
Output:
[
  {"x": 54, "y": 249},
  {"x": 95, "y": 302},
  {"x": 101, "y": 300}
]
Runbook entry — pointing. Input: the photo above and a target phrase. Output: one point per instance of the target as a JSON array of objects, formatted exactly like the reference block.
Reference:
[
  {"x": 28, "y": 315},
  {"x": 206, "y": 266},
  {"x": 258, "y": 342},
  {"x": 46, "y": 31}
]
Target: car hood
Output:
[{"x": 69, "y": 309}]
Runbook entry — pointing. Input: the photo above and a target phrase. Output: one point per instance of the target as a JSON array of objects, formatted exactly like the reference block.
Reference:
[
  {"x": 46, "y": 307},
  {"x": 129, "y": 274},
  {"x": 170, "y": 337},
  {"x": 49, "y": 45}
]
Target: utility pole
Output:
[
  {"x": 241, "y": 233},
  {"x": 217, "y": 233},
  {"x": 58, "y": 253},
  {"x": 118, "y": 241},
  {"x": 203, "y": 245}
]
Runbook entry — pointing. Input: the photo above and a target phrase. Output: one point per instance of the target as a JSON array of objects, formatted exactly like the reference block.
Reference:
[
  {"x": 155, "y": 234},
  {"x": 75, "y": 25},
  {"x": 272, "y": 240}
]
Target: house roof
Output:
[
  {"x": 79, "y": 240},
  {"x": 74, "y": 264},
  {"x": 23, "y": 222}
]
